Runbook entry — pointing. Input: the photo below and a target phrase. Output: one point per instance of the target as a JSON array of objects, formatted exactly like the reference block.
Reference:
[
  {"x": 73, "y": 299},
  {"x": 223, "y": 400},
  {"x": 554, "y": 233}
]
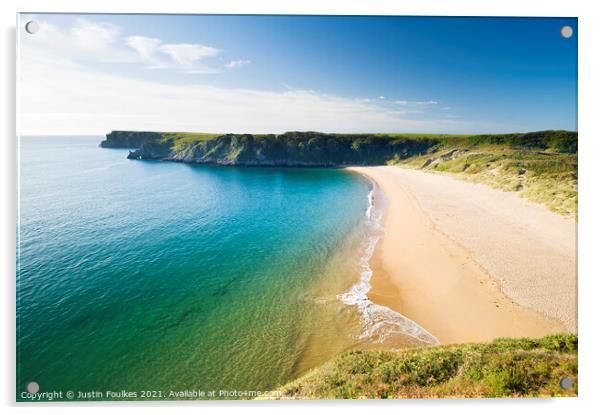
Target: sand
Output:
[{"x": 470, "y": 263}]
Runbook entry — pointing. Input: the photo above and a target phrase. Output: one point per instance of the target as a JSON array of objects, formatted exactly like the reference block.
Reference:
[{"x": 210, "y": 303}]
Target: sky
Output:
[{"x": 90, "y": 74}]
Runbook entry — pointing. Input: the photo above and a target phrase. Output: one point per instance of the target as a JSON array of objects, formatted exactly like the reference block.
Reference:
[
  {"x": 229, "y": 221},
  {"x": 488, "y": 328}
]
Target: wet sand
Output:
[{"x": 470, "y": 263}]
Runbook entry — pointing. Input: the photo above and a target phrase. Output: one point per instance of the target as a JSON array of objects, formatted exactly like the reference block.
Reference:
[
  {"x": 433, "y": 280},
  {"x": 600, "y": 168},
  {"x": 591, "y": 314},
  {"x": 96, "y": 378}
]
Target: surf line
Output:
[{"x": 377, "y": 320}]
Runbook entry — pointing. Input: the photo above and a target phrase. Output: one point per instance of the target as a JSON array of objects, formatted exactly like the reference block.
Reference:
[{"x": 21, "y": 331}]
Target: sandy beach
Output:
[{"x": 470, "y": 263}]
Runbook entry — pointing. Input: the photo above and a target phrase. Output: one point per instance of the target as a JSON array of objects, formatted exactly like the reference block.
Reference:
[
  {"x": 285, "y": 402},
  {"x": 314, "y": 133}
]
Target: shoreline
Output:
[
  {"x": 433, "y": 280},
  {"x": 380, "y": 323}
]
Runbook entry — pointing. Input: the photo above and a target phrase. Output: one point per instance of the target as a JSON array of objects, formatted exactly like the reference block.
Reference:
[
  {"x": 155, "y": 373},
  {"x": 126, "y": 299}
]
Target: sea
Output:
[{"x": 156, "y": 276}]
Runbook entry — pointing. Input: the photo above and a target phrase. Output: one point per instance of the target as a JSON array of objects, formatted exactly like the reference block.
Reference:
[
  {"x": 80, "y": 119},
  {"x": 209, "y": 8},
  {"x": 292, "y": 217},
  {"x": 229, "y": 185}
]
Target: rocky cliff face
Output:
[
  {"x": 129, "y": 139},
  {"x": 303, "y": 149}
]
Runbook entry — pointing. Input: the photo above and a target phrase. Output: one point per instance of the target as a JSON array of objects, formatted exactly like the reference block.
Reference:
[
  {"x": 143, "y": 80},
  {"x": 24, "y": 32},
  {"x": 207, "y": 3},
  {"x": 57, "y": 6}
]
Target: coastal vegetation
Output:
[
  {"x": 288, "y": 149},
  {"x": 501, "y": 368},
  {"x": 546, "y": 177},
  {"x": 541, "y": 166}
]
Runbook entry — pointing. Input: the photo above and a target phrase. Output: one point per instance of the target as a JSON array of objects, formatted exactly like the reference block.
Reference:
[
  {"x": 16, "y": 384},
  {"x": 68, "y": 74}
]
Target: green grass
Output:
[
  {"x": 419, "y": 135},
  {"x": 182, "y": 140},
  {"x": 545, "y": 177},
  {"x": 501, "y": 368}
]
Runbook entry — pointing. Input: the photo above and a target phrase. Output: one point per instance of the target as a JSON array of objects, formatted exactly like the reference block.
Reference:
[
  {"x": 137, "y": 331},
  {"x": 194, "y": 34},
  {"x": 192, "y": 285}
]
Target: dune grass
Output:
[
  {"x": 501, "y": 368},
  {"x": 545, "y": 177}
]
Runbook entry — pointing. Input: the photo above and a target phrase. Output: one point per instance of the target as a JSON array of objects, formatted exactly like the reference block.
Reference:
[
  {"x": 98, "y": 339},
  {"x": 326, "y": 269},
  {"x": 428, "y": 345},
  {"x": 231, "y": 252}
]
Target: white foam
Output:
[
  {"x": 370, "y": 203},
  {"x": 379, "y": 322}
]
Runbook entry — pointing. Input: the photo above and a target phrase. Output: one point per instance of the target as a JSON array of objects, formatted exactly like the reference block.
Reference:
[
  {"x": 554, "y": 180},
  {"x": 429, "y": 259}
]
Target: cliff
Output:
[
  {"x": 315, "y": 148},
  {"x": 129, "y": 139}
]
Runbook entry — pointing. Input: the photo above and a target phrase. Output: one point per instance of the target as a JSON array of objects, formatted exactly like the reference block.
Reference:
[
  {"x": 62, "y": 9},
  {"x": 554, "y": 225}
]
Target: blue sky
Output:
[{"x": 278, "y": 73}]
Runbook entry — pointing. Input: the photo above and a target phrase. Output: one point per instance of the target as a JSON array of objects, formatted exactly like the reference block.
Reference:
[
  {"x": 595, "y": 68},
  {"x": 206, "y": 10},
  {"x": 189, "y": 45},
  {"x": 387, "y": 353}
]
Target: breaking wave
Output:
[{"x": 379, "y": 322}]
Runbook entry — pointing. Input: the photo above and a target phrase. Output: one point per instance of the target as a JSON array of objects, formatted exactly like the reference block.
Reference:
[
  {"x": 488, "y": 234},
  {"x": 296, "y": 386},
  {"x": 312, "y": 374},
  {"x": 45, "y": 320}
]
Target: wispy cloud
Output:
[
  {"x": 415, "y": 103},
  {"x": 94, "y": 36},
  {"x": 183, "y": 57},
  {"x": 188, "y": 53},
  {"x": 146, "y": 47},
  {"x": 60, "y": 100},
  {"x": 187, "y": 56},
  {"x": 63, "y": 90},
  {"x": 89, "y": 41},
  {"x": 85, "y": 41},
  {"x": 237, "y": 63}
]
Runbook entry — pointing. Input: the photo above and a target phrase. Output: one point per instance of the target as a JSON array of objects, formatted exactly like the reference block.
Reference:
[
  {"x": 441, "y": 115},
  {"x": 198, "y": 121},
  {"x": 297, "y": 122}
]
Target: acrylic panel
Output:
[{"x": 295, "y": 207}]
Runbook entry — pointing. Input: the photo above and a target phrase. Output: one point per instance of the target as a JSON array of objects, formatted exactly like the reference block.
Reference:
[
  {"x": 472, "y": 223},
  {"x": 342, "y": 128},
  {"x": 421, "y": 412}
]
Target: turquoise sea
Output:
[{"x": 142, "y": 275}]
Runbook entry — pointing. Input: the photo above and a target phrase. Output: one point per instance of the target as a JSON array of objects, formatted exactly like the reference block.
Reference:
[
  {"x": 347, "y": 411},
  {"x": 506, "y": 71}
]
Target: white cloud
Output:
[
  {"x": 94, "y": 36},
  {"x": 76, "y": 45},
  {"x": 63, "y": 100},
  {"x": 186, "y": 56},
  {"x": 60, "y": 92},
  {"x": 89, "y": 42},
  {"x": 186, "y": 53},
  {"x": 145, "y": 46},
  {"x": 416, "y": 103},
  {"x": 237, "y": 63}
]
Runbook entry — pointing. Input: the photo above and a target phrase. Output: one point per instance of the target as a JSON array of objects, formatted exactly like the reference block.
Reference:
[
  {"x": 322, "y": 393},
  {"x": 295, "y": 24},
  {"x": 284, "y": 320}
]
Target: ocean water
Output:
[{"x": 143, "y": 275}]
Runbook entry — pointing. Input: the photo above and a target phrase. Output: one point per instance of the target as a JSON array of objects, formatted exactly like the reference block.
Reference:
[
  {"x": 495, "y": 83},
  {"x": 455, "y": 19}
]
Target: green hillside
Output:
[
  {"x": 320, "y": 148},
  {"x": 501, "y": 368}
]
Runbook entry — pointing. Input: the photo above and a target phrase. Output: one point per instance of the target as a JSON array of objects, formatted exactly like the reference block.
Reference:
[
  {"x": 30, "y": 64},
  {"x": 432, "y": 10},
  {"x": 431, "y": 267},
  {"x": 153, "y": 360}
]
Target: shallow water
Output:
[{"x": 141, "y": 275}]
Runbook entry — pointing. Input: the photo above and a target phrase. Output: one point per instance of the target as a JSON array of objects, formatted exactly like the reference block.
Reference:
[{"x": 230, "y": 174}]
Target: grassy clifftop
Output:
[
  {"x": 502, "y": 368},
  {"x": 302, "y": 148},
  {"x": 288, "y": 149}
]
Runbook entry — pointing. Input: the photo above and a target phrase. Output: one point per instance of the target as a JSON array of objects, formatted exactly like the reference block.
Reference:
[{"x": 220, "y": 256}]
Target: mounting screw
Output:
[
  {"x": 566, "y": 383},
  {"x": 566, "y": 32},
  {"x": 32, "y": 27},
  {"x": 33, "y": 387}
]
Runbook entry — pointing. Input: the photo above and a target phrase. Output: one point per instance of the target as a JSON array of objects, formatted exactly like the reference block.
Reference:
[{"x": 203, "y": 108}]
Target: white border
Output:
[{"x": 590, "y": 206}]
